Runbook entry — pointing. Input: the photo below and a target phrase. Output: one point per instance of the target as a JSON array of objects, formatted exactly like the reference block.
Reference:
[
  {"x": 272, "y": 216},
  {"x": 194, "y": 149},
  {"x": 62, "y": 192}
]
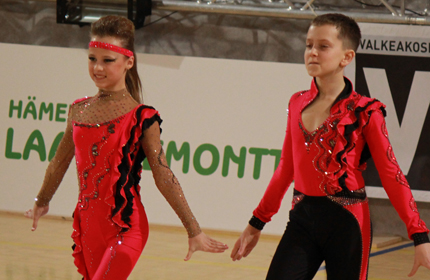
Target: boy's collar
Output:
[{"x": 346, "y": 92}]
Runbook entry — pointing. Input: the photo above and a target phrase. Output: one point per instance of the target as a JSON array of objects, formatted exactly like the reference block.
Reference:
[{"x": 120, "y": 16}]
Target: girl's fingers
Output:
[{"x": 29, "y": 213}]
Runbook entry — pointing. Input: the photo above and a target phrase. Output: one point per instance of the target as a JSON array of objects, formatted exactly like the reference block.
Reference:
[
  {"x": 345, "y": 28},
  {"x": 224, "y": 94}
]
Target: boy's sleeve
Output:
[
  {"x": 281, "y": 180},
  {"x": 392, "y": 177}
]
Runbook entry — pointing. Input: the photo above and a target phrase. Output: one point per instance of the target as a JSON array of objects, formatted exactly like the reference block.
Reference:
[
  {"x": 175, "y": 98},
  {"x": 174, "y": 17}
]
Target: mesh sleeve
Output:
[
  {"x": 57, "y": 167},
  {"x": 166, "y": 181}
]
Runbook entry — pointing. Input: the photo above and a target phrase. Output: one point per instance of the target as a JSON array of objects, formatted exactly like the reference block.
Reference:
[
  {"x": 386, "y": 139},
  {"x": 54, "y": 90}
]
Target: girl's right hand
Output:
[
  {"x": 202, "y": 242},
  {"x": 36, "y": 213}
]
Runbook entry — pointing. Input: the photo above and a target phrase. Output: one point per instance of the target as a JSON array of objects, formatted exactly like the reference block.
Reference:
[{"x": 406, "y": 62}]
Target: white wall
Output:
[{"x": 215, "y": 101}]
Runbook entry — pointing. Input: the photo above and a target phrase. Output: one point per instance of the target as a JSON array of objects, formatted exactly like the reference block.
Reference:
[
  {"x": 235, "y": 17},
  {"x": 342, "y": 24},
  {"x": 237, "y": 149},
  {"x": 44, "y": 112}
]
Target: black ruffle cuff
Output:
[
  {"x": 257, "y": 223},
  {"x": 420, "y": 238}
]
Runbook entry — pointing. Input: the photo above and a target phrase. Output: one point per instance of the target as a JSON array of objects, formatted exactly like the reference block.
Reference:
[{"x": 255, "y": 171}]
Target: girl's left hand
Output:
[
  {"x": 202, "y": 242},
  {"x": 422, "y": 258}
]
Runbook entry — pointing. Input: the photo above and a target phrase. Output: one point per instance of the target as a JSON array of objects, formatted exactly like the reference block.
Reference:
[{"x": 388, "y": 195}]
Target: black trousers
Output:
[{"x": 319, "y": 230}]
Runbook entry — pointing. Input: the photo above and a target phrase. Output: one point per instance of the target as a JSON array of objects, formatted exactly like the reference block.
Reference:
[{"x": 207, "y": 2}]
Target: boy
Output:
[{"x": 331, "y": 132}]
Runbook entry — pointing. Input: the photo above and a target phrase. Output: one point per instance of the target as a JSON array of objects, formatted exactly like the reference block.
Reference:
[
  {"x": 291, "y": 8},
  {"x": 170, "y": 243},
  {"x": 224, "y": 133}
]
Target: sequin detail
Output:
[
  {"x": 104, "y": 108},
  {"x": 347, "y": 198},
  {"x": 113, "y": 250},
  {"x": 100, "y": 173},
  {"x": 413, "y": 205},
  {"x": 172, "y": 191},
  {"x": 335, "y": 138},
  {"x": 297, "y": 198},
  {"x": 324, "y": 140},
  {"x": 400, "y": 177},
  {"x": 110, "y": 47},
  {"x": 310, "y": 136}
]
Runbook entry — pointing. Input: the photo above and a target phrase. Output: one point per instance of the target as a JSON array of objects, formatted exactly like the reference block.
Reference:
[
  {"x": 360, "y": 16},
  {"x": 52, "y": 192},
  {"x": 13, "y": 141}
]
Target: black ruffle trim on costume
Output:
[
  {"x": 349, "y": 129},
  {"x": 130, "y": 174}
]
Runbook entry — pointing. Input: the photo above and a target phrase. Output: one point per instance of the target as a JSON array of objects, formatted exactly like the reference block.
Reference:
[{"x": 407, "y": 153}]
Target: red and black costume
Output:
[
  {"x": 110, "y": 223},
  {"x": 330, "y": 208},
  {"x": 106, "y": 134}
]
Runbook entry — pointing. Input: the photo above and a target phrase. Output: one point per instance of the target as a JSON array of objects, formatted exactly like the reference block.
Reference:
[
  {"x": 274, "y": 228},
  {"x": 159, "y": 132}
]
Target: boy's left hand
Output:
[{"x": 422, "y": 258}]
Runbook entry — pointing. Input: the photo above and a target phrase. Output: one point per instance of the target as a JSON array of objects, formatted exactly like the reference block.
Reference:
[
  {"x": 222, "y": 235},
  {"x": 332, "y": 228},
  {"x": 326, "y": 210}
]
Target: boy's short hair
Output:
[{"x": 348, "y": 28}]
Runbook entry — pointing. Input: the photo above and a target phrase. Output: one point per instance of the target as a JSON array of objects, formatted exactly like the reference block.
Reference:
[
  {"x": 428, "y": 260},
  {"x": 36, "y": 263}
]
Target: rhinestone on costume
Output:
[
  {"x": 111, "y": 128},
  {"x": 297, "y": 198},
  {"x": 110, "y": 47},
  {"x": 332, "y": 143},
  {"x": 350, "y": 105},
  {"x": 350, "y": 198},
  {"x": 413, "y": 205}
]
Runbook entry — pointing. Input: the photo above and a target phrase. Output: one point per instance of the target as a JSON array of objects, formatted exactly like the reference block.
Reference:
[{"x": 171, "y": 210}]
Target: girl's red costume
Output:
[
  {"x": 109, "y": 218},
  {"x": 328, "y": 162},
  {"x": 106, "y": 135}
]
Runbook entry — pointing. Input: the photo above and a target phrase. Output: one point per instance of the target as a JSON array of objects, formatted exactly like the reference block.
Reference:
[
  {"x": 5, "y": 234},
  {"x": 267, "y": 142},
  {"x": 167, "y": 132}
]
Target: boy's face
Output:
[{"x": 325, "y": 54}]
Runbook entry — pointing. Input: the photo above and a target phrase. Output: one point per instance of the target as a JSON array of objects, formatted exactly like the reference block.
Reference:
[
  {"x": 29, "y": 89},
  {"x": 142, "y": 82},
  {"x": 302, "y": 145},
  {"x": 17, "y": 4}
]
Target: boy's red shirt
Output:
[{"x": 331, "y": 158}]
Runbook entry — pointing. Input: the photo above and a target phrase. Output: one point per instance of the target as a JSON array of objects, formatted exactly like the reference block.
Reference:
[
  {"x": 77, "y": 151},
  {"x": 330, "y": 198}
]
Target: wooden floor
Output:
[{"x": 46, "y": 254}]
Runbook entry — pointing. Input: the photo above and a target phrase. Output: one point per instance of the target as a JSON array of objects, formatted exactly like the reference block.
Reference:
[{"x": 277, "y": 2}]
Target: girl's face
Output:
[
  {"x": 325, "y": 54},
  {"x": 108, "y": 68}
]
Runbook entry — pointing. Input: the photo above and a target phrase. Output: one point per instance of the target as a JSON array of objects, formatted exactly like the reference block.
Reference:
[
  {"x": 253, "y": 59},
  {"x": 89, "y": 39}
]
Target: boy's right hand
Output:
[
  {"x": 245, "y": 243},
  {"x": 36, "y": 213}
]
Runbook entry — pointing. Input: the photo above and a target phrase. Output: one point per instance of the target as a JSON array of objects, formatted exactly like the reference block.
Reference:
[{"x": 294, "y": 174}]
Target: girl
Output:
[{"x": 111, "y": 134}]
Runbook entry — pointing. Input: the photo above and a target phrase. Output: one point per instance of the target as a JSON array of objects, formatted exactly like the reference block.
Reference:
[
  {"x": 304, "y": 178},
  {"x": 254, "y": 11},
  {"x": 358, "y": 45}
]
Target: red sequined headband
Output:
[{"x": 110, "y": 47}]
